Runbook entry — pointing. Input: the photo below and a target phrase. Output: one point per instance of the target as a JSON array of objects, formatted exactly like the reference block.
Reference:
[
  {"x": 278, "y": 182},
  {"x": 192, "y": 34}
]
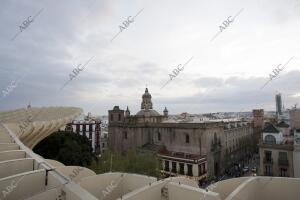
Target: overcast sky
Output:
[{"x": 225, "y": 74}]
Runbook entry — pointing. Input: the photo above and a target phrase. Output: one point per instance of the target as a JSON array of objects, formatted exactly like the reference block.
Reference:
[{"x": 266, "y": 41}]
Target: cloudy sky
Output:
[{"x": 225, "y": 74}]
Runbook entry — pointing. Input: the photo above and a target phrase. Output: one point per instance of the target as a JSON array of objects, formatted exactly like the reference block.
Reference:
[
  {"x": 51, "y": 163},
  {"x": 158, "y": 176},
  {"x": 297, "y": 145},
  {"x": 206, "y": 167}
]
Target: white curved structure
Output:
[
  {"x": 32, "y": 125},
  {"x": 26, "y": 175}
]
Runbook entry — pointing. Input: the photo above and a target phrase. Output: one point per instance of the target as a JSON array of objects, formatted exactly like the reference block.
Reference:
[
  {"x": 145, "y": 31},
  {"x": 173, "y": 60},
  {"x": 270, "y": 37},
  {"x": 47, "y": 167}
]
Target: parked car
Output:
[
  {"x": 245, "y": 169},
  {"x": 237, "y": 174},
  {"x": 253, "y": 169}
]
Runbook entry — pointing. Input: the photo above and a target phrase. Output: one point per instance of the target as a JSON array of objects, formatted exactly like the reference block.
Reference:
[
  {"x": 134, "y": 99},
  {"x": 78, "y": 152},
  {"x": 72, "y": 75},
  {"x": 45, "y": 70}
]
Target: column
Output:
[
  {"x": 195, "y": 170},
  {"x": 185, "y": 168},
  {"x": 177, "y": 168}
]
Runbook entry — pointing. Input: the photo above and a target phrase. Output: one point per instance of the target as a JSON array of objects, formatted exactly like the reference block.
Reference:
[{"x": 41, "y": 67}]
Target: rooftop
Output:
[
  {"x": 151, "y": 113},
  {"x": 282, "y": 124},
  {"x": 270, "y": 128},
  {"x": 181, "y": 155}
]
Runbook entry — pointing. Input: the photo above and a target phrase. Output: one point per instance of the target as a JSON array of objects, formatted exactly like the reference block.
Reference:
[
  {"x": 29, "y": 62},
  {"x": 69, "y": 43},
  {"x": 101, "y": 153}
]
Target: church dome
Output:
[{"x": 152, "y": 113}]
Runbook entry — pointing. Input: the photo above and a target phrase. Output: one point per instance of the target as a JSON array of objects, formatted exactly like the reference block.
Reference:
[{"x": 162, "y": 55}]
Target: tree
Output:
[
  {"x": 67, "y": 148},
  {"x": 131, "y": 162},
  {"x": 73, "y": 149}
]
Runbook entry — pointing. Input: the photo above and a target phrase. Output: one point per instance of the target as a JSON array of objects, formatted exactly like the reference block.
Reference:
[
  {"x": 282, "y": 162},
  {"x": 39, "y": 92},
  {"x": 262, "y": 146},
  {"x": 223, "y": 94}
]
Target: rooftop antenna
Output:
[{"x": 29, "y": 105}]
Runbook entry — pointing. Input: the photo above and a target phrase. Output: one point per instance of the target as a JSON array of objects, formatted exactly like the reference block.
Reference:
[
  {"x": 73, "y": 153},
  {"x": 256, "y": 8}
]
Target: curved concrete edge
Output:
[
  {"x": 226, "y": 187},
  {"x": 113, "y": 185},
  {"x": 54, "y": 163},
  {"x": 12, "y": 154},
  {"x": 9, "y": 147},
  {"x": 42, "y": 173},
  {"x": 45, "y": 121},
  {"x": 234, "y": 194},
  {"x": 76, "y": 173},
  {"x": 16, "y": 166},
  {"x": 179, "y": 191}
]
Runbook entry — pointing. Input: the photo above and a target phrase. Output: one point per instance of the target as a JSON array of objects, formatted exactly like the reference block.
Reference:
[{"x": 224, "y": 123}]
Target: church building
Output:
[{"x": 196, "y": 150}]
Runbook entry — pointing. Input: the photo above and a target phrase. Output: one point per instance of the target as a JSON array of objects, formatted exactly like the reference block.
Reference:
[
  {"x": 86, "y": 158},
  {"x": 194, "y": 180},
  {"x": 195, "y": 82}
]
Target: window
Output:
[
  {"x": 181, "y": 168},
  {"x": 187, "y": 138},
  {"x": 119, "y": 117},
  {"x": 158, "y": 136},
  {"x": 77, "y": 128},
  {"x": 268, "y": 156},
  {"x": 84, "y": 129},
  {"x": 103, "y": 144},
  {"x": 190, "y": 171},
  {"x": 283, "y": 159},
  {"x": 125, "y": 135},
  {"x": 268, "y": 170},
  {"x": 283, "y": 155},
  {"x": 166, "y": 165},
  {"x": 174, "y": 170},
  {"x": 199, "y": 170},
  {"x": 111, "y": 117},
  {"x": 69, "y": 127},
  {"x": 270, "y": 139}
]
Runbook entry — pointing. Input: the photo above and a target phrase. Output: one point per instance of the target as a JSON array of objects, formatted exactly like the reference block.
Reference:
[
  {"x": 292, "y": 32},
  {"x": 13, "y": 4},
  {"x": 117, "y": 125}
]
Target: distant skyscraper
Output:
[{"x": 278, "y": 104}]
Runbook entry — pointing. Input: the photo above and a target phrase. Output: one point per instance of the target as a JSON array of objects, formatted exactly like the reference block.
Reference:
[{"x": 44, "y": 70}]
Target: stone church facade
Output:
[{"x": 197, "y": 150}]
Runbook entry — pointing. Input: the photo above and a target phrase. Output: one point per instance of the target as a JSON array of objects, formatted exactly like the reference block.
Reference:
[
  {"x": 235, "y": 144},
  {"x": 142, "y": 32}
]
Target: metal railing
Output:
[{"x": 283, "y": 162}]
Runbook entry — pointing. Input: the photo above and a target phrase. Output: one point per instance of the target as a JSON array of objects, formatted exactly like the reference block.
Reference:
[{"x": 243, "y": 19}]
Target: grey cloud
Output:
[
  {"x": 239, "y": 92},
  {"x": 69, "y": 32}
]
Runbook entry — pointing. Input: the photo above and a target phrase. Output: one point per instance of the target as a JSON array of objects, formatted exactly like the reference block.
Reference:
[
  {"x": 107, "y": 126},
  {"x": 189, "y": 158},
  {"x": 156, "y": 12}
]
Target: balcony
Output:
[
  {"x": 181, "y": 157},
  {"x": 287, "y": 146},
  {"x": 268, "y": 161},
  {"x": 283, "y": 162}
]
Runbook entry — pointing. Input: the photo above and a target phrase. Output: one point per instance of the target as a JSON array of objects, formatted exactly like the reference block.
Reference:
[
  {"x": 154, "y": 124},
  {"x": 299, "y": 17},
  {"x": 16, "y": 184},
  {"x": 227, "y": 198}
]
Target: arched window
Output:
[
  {"x": 270, "y": 139},
  {"x": 158, "y": 136},
  {"x": 187, "y": 138}
]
